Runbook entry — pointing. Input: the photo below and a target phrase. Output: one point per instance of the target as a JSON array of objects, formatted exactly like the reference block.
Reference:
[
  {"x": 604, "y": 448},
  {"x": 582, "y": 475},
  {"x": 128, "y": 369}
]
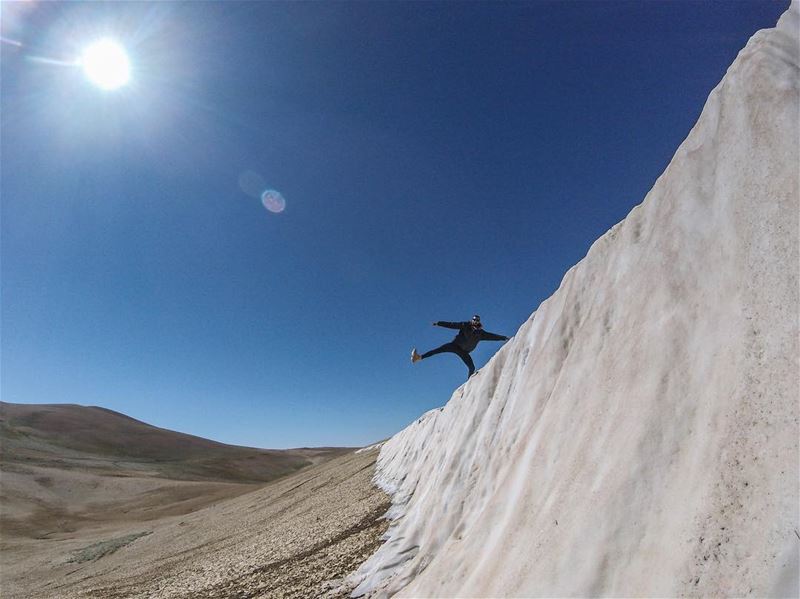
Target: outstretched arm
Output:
[
  {"x": 487, "y": 336},
  {"x": 449, "y": 325}
]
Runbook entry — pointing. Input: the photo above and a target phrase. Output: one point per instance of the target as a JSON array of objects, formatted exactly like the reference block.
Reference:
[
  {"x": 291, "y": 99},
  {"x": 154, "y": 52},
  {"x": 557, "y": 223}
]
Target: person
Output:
[{"x": 470, "y": 333}]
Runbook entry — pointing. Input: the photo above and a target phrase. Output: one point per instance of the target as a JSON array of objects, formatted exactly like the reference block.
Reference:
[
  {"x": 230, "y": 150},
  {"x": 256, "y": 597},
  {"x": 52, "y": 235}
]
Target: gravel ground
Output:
[{"x": 296, "y": 537}]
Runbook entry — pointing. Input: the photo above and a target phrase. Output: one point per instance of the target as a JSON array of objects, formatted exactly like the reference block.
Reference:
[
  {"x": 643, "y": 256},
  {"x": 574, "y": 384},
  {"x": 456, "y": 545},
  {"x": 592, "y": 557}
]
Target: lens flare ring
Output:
[{"x": 273, "y": 201}]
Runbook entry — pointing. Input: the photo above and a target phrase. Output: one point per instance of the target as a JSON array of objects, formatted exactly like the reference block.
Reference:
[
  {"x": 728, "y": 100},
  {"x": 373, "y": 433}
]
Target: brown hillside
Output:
[{"x": 67, "y": 467}]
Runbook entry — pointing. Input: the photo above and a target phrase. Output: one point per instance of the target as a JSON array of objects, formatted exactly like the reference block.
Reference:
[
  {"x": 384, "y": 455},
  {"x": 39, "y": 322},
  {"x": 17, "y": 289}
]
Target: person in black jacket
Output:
[{"x": 470, "y": 333}]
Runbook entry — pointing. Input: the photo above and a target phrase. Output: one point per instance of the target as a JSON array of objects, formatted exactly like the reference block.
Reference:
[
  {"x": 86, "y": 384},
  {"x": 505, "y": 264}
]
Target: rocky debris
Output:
[{"x": 299, "y": 536}]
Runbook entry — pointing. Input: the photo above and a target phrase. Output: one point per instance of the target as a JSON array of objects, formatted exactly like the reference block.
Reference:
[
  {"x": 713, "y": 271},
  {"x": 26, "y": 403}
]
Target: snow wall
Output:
[{"x": 639, "y": 435}]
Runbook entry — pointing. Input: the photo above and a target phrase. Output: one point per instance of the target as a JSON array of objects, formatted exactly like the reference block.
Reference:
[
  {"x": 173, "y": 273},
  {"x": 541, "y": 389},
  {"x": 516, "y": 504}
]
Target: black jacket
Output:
[{"x": 469, "y": 336}]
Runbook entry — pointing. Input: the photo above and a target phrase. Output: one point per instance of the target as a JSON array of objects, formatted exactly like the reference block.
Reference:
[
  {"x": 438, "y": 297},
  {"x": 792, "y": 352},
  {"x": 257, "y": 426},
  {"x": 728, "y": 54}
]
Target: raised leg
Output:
[
  {"x": 453, "y": 349},
  {"x": 447, "y": 347}
]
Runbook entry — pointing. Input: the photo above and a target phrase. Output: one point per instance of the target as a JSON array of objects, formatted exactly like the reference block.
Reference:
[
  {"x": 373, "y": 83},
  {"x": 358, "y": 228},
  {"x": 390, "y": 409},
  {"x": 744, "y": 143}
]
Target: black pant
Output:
[{"x": 453, "y": 349}]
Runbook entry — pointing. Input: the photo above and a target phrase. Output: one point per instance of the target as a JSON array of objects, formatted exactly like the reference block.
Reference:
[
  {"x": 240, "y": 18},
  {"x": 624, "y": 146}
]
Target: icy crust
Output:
[{"x": 639, "y": 435}]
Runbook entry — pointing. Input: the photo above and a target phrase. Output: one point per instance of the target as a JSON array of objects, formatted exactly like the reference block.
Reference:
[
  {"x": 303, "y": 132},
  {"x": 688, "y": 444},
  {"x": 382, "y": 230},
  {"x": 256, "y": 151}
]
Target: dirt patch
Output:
[{"x": 98, "y": 550}]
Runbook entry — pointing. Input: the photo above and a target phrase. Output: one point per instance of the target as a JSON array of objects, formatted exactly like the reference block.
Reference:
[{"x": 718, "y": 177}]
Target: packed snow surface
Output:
[{"x": 639, "y": 435}]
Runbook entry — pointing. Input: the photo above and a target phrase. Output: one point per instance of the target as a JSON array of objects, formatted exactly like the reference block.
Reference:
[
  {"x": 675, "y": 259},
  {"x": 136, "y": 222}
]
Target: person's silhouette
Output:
[{"x": 470, "y": 333}]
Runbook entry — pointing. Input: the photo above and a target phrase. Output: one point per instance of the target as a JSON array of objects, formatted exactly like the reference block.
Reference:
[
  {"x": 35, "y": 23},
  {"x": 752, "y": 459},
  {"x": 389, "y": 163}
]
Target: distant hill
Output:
[
  {"x": 65, "y": 466},
  {"x": 39, "y": 432}
]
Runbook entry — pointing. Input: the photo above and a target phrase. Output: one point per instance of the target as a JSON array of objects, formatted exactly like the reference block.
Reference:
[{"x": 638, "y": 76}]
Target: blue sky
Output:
[{"x": 437, "y": 160}]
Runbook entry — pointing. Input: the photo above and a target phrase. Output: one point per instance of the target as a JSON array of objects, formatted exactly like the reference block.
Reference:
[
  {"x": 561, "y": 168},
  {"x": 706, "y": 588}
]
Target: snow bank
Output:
[{"x": 639, "y": 435}]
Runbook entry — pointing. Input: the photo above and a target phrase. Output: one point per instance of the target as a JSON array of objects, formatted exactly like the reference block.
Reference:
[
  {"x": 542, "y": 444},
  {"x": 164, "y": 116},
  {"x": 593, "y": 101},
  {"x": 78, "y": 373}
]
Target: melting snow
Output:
[{"x": 639, "y": 435}]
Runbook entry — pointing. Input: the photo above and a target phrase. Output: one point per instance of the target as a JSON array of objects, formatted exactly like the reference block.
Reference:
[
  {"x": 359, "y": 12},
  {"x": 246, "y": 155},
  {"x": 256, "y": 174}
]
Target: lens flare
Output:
[
  {"x": 273, "y": 201},
  {"x": 106, "y": 64},
  {"x": 10, "y": 42},
  {"x": 252, "y": 183}
]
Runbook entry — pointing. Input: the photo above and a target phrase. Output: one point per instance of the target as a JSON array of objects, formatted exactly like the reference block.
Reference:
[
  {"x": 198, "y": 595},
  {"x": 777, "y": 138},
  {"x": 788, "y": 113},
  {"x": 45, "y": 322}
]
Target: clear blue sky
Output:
[{"x": 437, "y": 160}]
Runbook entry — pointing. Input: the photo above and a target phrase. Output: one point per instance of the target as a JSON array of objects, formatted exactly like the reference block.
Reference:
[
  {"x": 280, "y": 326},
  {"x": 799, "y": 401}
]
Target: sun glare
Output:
[{"x": 106, "y": 64}]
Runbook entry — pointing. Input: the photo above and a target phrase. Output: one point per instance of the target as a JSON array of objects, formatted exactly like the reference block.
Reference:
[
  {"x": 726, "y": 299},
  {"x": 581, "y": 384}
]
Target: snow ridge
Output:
[{"x": 639, "y": 435}]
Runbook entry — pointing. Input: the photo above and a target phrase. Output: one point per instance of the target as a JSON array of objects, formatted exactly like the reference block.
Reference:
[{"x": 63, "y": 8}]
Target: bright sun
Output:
[{"x": 106, "y": 64}]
